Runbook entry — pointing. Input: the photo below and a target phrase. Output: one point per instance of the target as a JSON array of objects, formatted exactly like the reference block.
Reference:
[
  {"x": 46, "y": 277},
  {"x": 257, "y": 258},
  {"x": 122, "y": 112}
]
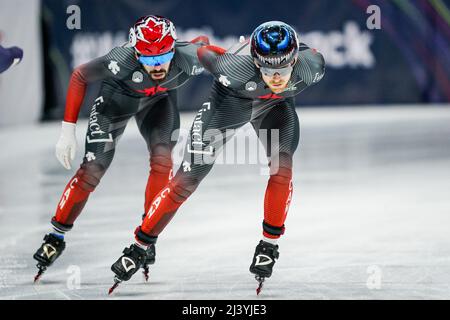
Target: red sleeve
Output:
[
  {"x": 208, "y": 50},
  {"x": 200, "y": 39},
  {"x": 89, "y": 72},
  {"x": 207, "y": 55},
  {"x": 75, "y": 95}
]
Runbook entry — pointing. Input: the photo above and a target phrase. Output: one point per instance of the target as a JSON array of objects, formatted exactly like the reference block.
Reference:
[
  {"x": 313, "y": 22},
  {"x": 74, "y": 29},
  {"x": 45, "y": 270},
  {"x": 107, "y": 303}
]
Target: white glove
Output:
[{"x": 67, "y": 144}]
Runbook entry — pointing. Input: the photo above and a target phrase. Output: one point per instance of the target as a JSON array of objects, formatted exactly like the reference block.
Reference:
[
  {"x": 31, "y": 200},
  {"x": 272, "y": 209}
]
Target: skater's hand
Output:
[{"x": 67, "y": 144}]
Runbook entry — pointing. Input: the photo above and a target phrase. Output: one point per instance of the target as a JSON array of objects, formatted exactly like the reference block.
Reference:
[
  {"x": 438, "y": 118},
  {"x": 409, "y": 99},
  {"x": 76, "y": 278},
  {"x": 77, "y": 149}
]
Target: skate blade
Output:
[
  {"x": 260, "y": 284},
  {"x": 115, "y": 285},
  {"x": 145, "y": 273},
  {"x": 38, "y": 276}
]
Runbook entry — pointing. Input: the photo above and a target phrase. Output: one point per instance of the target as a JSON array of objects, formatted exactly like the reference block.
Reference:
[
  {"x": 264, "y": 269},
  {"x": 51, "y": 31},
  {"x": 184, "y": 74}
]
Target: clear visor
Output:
[{"x": 270, "y": 72}]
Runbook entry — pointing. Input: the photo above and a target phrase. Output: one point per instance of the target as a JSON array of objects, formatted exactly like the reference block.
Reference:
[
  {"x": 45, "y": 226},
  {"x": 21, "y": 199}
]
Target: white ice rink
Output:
[{"x": 370, "y": 216}]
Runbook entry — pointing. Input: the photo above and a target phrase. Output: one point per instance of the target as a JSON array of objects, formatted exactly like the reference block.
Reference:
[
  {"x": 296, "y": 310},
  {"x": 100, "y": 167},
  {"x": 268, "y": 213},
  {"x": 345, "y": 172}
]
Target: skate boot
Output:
[
  {"x": 128, "y": 264},
  {"x": 263, "y": 262},
  {"x": 49, "y": 251},
  {"x": 149, "y": 259}
]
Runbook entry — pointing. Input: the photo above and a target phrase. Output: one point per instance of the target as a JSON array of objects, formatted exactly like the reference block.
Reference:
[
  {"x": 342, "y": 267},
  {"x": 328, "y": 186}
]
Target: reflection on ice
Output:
[{"x": 369, "y": 217}]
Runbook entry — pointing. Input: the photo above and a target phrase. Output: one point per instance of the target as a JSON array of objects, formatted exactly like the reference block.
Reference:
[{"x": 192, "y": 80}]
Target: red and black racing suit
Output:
[
  {"x": 127, "y": 90},
  {"x": 239, "y": 95}
]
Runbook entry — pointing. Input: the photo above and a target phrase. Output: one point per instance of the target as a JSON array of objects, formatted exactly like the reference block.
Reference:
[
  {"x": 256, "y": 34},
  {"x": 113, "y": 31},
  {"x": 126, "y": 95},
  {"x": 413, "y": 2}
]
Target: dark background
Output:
[{"x": 411, "y": 50}]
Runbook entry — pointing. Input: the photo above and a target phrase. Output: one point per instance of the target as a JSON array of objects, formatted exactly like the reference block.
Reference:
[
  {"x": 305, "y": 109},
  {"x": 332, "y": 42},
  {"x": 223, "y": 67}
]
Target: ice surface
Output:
[{"x": 371, "y": 192}]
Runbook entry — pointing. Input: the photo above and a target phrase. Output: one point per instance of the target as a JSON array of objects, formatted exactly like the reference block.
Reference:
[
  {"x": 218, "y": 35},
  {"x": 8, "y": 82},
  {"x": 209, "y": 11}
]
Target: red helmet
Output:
[{"x": 153, "y": 35}]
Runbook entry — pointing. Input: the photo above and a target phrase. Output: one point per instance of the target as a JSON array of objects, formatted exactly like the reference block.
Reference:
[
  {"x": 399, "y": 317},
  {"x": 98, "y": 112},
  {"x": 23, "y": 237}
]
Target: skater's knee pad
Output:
[
  {"x": 282, "y": 176},
  {"x": 161, "y": 159},
  {"x": 281, "y": 166},
  {"x": 182, "y": 188},
  {"x": 180, "y": 193},
  {"x": 89, "y": 176},
  {"x": 161, "y": 163}
]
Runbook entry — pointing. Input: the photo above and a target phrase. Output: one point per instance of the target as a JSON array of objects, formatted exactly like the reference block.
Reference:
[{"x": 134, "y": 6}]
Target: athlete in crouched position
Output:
[
  {"x": 255, "y": 81},
  {"x": 139, "y": 79}
]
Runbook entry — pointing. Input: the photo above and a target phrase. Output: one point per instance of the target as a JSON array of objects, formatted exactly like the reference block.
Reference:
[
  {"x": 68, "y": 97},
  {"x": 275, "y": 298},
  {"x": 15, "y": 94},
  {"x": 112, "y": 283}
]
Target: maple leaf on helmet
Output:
[{"x": 152, "y": 35}]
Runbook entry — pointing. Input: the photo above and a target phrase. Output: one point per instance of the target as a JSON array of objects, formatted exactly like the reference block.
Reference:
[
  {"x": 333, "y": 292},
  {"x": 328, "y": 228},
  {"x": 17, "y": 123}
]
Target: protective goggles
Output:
[
  {"x": 270, "y": 72},
  {"x": 156, "y": 60}
]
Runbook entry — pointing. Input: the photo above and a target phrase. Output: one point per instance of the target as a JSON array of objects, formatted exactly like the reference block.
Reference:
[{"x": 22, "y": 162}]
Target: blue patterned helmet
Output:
[{"x": 274, "y": 44}]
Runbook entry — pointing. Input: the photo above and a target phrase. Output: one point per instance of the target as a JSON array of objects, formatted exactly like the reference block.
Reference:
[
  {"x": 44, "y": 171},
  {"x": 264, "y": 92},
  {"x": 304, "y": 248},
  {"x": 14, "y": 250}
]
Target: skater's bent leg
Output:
[
  {"x": 207, "y": 137},
  {"x": 280, "y": 152},
  {"x": 76, "y": 194},
  {"x": 102, "y": 136},
  {"x": 160, "y": 172},
  {"x": 159, "y": 124},
  {"x": 277, "y": 198},
  {"x": 171, "y": 197},
  {"x": 166, "y": 204}
]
